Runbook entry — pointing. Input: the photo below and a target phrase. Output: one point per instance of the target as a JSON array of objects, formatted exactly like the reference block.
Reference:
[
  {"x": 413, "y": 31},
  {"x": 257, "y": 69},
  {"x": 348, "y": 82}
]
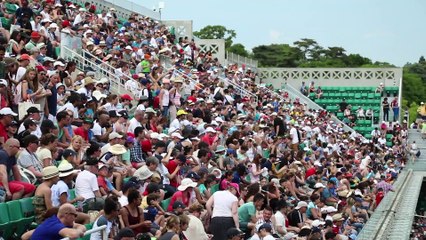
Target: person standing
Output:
[
  {"x": 225, "y": 211},
  {"x": 385, "y": 106},
  {"x": 395, "y": 108}
]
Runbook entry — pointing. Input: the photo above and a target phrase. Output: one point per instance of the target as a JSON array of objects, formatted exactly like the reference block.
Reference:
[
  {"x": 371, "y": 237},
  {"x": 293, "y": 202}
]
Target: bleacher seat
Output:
[
  {"x": 6, "y": 229},
  {"x": 20, "y": 223},
  {"x": 165, "y": 203},
  {"x": 27, "y": 207}
]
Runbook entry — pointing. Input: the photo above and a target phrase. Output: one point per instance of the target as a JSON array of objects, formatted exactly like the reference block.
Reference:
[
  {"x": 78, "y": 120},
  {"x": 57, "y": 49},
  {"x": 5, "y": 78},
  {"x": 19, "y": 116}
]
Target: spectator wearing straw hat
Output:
[{"x": 42, "y": 200}]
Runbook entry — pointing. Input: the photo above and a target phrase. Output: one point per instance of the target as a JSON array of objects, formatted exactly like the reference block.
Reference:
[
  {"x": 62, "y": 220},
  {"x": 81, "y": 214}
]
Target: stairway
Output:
[{"x": 102, "y": 70}]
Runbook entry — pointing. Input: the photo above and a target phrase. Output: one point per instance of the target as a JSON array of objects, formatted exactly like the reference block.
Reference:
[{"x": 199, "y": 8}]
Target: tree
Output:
[
  {"x": 335, "y": 52},
  {"x": 217, "y": 32},
  {"x": 239, "y": 49},
  {"x": 306, "y": 46},
  {"x": 422, "y": 60},
  {"x": 277, "y": 55}
]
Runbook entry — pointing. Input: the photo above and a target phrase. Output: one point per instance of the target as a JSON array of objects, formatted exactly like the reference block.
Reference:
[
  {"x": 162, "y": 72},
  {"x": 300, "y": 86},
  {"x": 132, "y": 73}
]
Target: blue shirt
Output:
[{"x": 49, "y": 229}]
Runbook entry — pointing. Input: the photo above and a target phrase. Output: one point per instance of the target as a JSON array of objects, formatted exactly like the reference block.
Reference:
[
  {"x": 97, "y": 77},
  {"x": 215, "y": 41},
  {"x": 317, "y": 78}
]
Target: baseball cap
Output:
[
  {"x": 178, "y": 204},
  {"x": 7, "y": 111},
  {"x": 68, "y": 153},
  {"x": 3, "y": 82},
  {"x": 193, "y": 175},
  {"x": 114, "y": 135}
]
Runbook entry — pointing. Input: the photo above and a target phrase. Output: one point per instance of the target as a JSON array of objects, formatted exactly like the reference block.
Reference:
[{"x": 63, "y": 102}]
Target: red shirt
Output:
[
  {"x": 310, "y": 172},
  {"x": 171, "y": 166},
  {"x": 102, "y": 183},
  {"x": 207, "y": 139},
  {"x": 3, "y": 132},
  {"x": 83, "y": 133},
  {"x": 146, "y": 145},
  {"x": 379, "y": 197},
  {"x": 192, "y": 98},
  {"x": 180, "y": 196}
]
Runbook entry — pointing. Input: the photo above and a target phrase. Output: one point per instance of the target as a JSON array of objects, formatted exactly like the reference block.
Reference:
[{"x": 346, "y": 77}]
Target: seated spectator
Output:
[
  {"x": 15, "y": 189},
  {"x": 184, "y": 193},
  {"x": 133, "y": 215},
  {"x": 195, "y": 228},
  {"x": 111, "y": 209},
  {"x": 105, "y": 186},
  {"x": 59, "y": 226},
  {"x": 42, "y": 200},
  {"x": 28, "y": 159}
]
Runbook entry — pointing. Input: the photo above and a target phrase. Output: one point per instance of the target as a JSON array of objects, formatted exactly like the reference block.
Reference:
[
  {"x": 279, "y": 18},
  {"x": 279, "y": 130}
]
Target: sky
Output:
[{"x": 383, "y": 30}]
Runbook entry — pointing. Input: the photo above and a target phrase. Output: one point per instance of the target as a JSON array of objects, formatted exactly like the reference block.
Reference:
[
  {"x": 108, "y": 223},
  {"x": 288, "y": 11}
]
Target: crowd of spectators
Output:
[{"x": 230, "y": 166}]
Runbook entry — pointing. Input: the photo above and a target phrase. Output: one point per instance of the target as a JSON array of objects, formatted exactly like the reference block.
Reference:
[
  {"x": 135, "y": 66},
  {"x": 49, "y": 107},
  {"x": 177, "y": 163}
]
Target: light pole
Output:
[{"x": 160, "y": 7}]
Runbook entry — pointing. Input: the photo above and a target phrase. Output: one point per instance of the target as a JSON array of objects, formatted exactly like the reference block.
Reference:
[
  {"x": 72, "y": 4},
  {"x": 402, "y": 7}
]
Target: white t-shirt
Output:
[
  {"x": 223, "y": 201},
  {"x": 174, "y": 125},
  {"x": 97, "y": 129},
  {"x": 101, "y": 222},
  {"x": 163, "y": 172},
  {"x": 57, "y": 190},
  {"x": 294, "y": 136},
  {"x": 43, "y": 153},
  {"x": 37, "y": 132},
  {"x": 195, "y": 229},
  {"x": 123, "y": 200},
  {"x": 20, "y": 73},
  {"x": 280, "y": 222},
  {"x": 133, "y": 123},
  {"x": 86, "y": 184}
]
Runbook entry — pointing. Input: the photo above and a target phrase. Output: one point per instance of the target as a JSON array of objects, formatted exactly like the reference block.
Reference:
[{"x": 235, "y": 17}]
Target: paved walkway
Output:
[{"x": 394, "y": 216}]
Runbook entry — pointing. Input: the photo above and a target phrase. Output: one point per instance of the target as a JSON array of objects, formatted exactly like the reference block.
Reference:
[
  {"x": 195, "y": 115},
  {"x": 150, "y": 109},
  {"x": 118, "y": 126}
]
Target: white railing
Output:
[
  {"x": 102, "y": 70},
  {"x": 123, "y": 8},
  {"x": 272, "y": 93},
  {"x": 101, "y": 229},
  {"x": 312, "y": 105},
  {"x": 235, "y": 58},
  {"x": 241, "y": 90}
]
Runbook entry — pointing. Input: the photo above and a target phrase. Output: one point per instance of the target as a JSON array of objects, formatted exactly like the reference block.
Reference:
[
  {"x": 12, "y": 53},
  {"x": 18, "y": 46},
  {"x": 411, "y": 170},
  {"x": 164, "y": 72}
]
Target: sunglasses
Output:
[{"x": 73, "y": 214}]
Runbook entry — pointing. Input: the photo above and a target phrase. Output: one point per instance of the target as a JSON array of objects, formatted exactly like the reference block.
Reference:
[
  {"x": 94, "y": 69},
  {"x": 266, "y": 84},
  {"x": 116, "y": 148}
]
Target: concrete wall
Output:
[{"x": 354, "y": 77}]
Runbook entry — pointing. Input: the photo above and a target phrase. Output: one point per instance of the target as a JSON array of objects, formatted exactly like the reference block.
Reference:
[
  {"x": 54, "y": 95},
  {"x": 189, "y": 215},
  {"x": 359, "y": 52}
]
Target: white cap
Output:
[
  {"x": 4, "y": 82},
  {"x": 114, "y": 135},
  {"x": 128, "y": 48},
  {"x": 58, "y": 63},
  {"x": 218, "y": 119},
  {"x": 317, "y": 223},
  {"x": 319, "y": 185},
  {"x": 7, "y": 111},
  {"x": 210, "y": 129},
  {"x": 176, "y": 134},
  {"x": 301, "y": 204}
]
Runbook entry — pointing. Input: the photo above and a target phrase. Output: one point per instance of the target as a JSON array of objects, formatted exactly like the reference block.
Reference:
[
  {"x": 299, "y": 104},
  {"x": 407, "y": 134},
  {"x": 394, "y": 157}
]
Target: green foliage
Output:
[
  {"x": 277, "y": 55},
  {"x": 217, "y": 32},
  {"x": 239, "y": 49},
  {"x": 412, "y": 111}
]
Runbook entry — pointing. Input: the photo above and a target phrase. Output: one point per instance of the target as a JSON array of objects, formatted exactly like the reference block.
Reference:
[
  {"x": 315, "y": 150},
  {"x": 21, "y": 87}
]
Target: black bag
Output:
[
  {"x": 218, "y": 96},
  {"x": 418, "y": 153}
]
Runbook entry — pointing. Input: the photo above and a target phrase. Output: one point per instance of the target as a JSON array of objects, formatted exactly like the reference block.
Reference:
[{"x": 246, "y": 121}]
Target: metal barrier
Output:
[
  {"x": 123, "y": 8},
  {"x": 235, "y": 58},
  {"x": 312, "y": 105},
  {"x": 101, "y": 229},
  {"x": 102, "y": 70}
]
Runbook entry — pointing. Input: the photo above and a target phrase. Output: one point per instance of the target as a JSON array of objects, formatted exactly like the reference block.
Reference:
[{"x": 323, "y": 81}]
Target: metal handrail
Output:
[
  {"x": 101, "y": 70},
  {"x": 242, "y": 90},
  {"x": 93, "y": 230},
  {"x": 235, "y": 58}
]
